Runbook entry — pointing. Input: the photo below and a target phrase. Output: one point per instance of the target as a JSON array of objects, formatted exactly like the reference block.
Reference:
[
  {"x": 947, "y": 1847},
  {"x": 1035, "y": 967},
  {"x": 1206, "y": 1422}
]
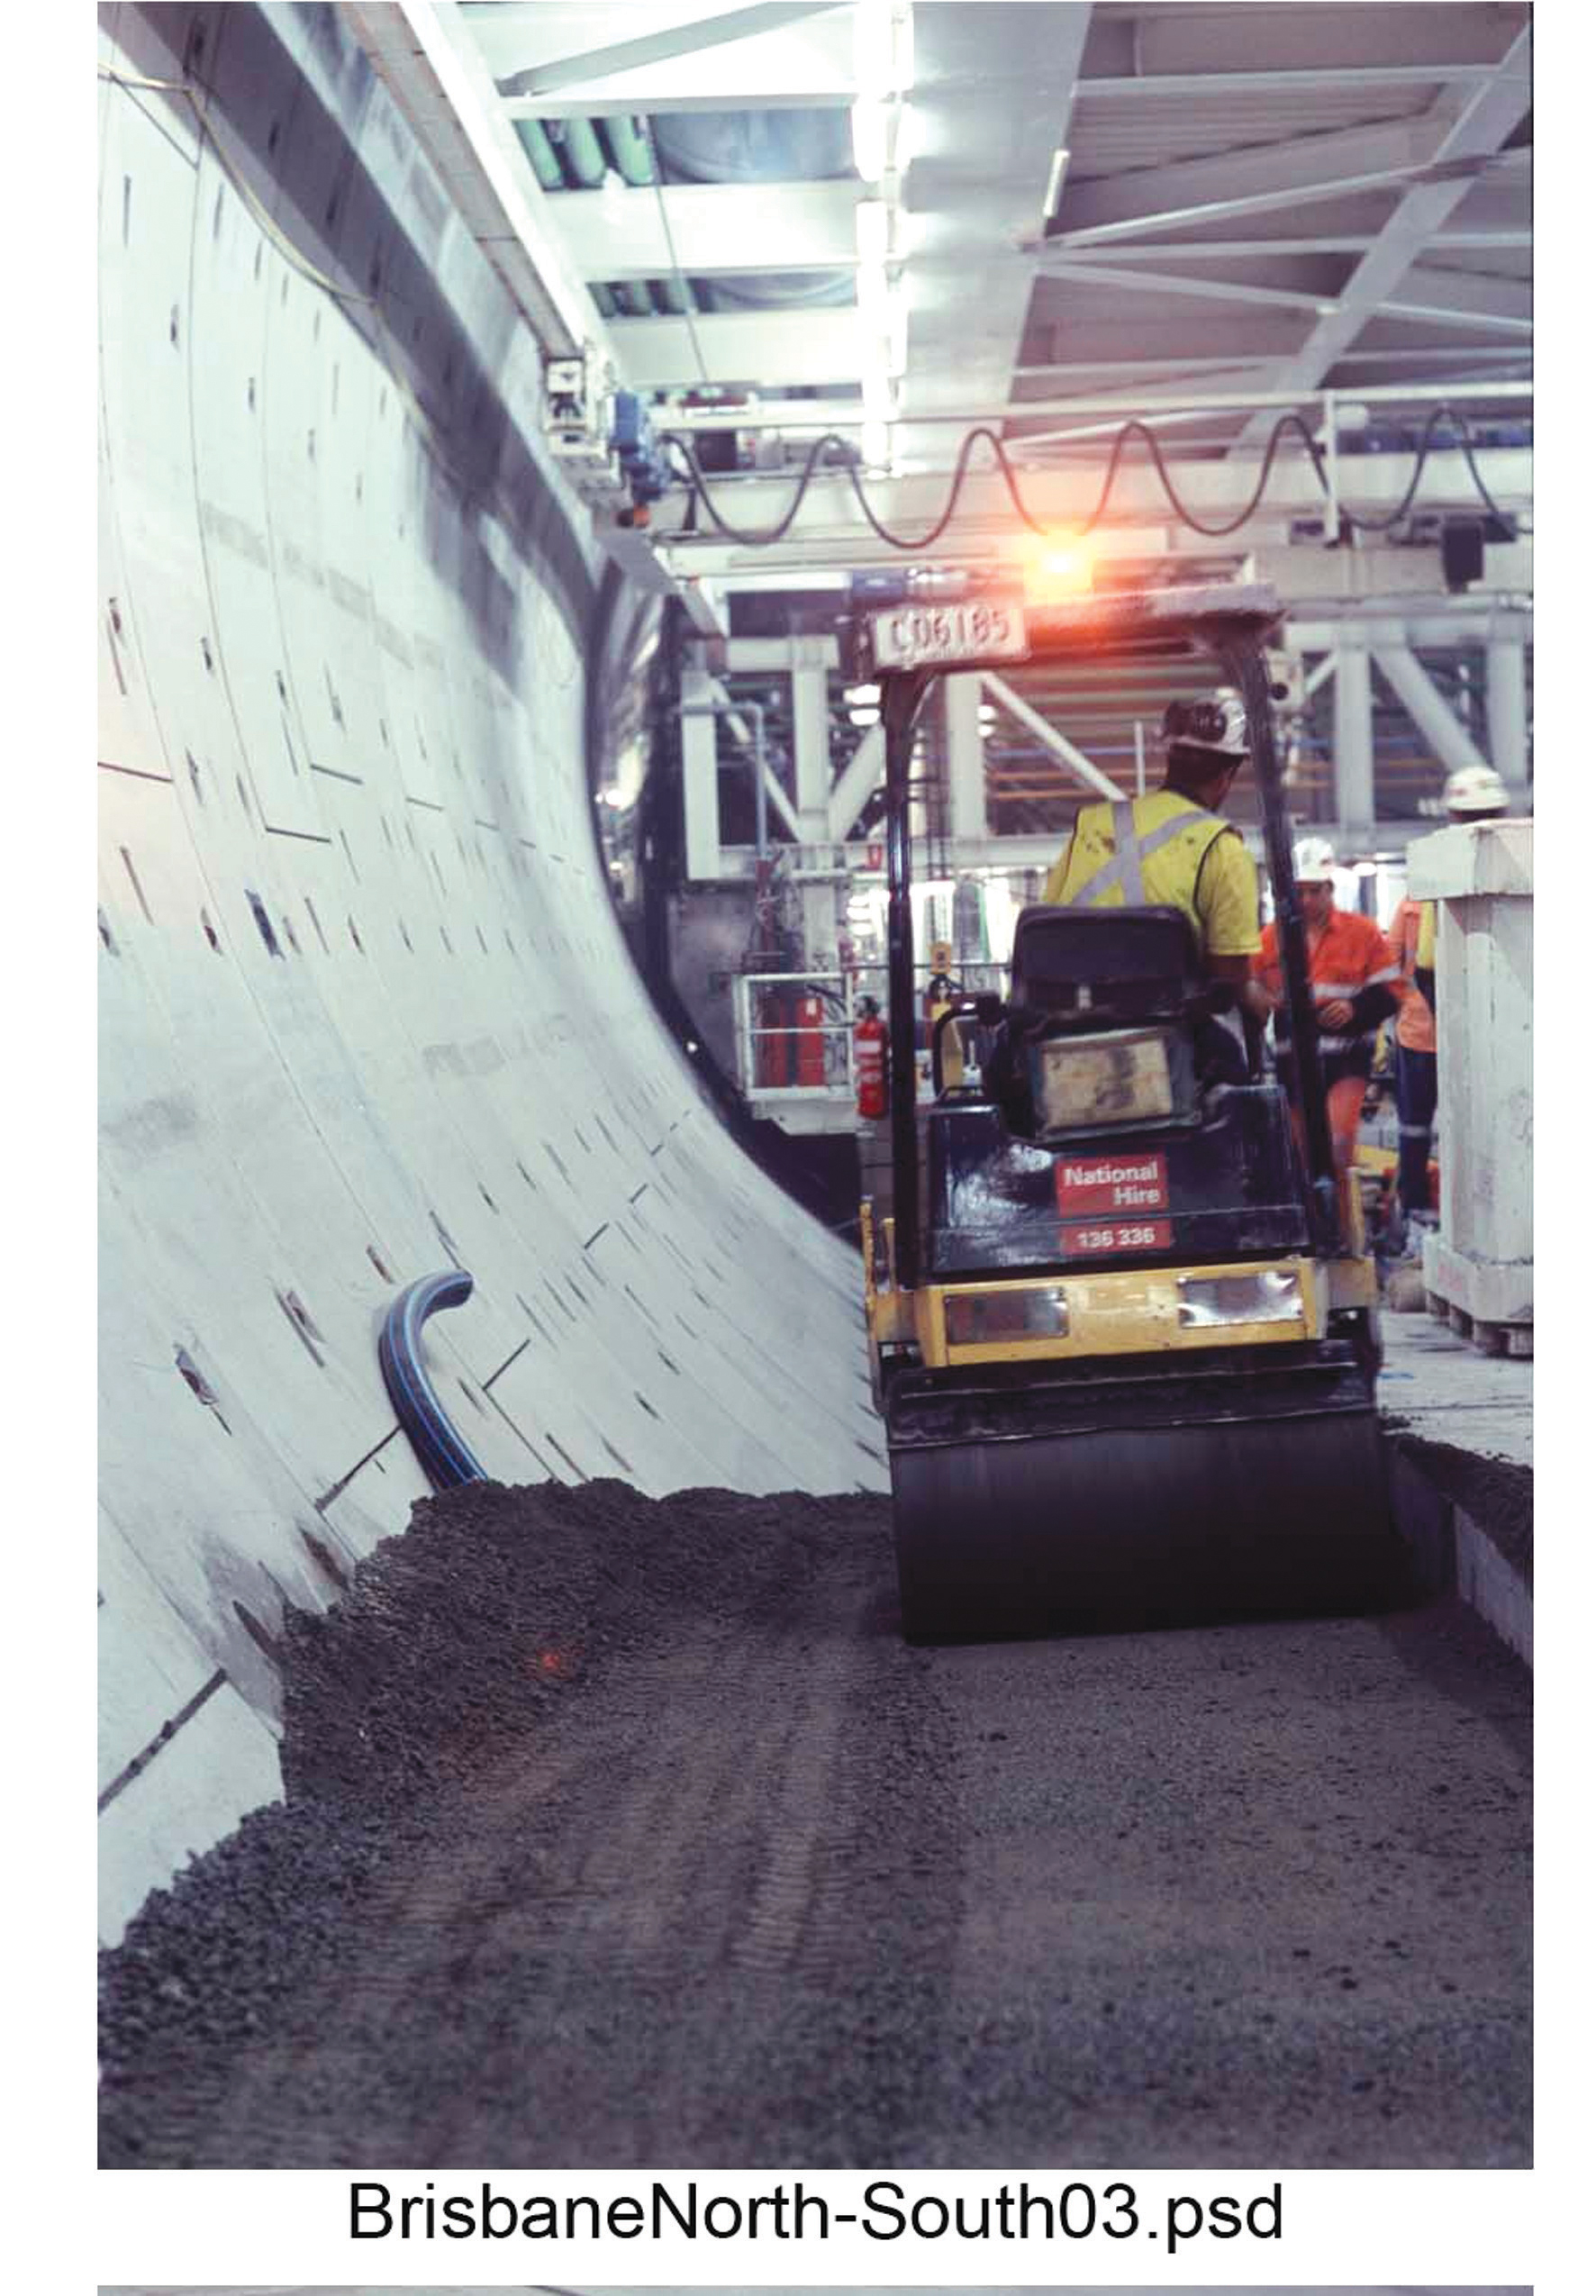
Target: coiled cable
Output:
[{"x": 1129, "y": 432}]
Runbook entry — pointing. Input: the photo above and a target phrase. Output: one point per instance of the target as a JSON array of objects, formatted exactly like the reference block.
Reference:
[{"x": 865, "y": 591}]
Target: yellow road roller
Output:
[{"x": 1123, "y": 1320}]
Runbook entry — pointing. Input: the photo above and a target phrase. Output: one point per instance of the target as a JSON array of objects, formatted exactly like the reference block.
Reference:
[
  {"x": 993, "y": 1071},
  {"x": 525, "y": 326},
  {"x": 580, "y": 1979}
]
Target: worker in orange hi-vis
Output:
[
  {"x": 1356, "y": 983},
  {"x": 1415, "y": 1064}
]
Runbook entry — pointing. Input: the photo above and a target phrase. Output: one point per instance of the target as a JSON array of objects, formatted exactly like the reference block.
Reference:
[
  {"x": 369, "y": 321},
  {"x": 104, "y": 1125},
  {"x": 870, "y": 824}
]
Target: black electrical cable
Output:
[
  {"x": 446, "y": 1458},
  {"x": 757, "y": 537},
  {"x": 1421, "y": 456},
  {"x": 1466, "y": 444}
]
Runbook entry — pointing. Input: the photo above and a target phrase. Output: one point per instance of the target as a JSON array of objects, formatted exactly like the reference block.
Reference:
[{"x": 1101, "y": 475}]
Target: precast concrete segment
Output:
[
  {"x": 623, "y": 1831},
  {"x": 366, "y": 1010}
]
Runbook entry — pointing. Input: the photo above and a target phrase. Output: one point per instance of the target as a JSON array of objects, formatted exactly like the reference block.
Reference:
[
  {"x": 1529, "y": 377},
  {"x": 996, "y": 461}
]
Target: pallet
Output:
[{"x": 1488, "y": 1338}]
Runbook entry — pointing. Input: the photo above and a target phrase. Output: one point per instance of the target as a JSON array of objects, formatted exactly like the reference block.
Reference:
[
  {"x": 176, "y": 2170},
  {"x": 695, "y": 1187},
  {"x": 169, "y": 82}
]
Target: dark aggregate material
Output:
[
  {"x": 1496, "y": 1494},
  {"x": 622, "y": 1831}
]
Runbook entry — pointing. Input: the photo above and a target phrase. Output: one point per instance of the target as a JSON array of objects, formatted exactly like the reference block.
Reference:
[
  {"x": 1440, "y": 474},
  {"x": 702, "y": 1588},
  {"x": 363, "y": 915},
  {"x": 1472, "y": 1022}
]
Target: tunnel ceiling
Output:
[{"x": 1261, "y": 197}]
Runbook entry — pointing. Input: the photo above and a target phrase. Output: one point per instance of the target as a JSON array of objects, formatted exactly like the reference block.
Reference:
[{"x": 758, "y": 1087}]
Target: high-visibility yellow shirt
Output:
[
  {"x": 1425, "y": 957},
  {"x": 1164, "y": 850},
  {"x": 1416, "y": 1023}
]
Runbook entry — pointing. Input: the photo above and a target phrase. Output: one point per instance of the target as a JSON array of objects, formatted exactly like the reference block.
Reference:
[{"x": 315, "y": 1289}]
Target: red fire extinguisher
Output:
[
  {"x": 811, "y": 1039},
  {"x": 870, "y": 1059}
]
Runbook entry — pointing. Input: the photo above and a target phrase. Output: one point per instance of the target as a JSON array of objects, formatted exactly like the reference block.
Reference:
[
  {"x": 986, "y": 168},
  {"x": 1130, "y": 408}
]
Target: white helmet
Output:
[
  {"x": 1475, "y": 789},
  {"x": 1215, "y": 721},
  {"x": 1313, "y": 861}
]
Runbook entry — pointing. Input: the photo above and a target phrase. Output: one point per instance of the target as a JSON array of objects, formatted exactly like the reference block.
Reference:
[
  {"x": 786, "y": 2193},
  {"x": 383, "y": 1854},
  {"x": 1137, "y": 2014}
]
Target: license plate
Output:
[
  {"x": 1115, "y": 1236},
  {"x": 909, "y": 637}
]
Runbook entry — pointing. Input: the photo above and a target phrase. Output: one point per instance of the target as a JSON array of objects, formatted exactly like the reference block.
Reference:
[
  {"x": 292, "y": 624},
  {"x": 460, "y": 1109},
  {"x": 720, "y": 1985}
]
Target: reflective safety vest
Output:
[
  {"x": 1349, "y": 955},
  {"x": 1149, "y": 851},
  {"x": 1416, "y": 1023}
]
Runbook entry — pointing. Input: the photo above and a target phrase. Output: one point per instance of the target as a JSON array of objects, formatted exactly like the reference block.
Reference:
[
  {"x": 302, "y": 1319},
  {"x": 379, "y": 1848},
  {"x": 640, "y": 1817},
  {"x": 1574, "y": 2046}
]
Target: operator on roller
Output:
[
  {"x": 1356, "y": 983},
  {"x": 1171, "y": 847}
]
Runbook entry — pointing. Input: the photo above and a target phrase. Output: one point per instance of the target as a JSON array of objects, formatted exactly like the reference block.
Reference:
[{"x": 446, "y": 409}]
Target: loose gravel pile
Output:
[{"x": 622, "y": 1831}]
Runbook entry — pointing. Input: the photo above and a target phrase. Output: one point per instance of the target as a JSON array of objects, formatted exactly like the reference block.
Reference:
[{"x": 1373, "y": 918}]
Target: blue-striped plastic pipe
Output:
[{"x": 446, "y": 1457}]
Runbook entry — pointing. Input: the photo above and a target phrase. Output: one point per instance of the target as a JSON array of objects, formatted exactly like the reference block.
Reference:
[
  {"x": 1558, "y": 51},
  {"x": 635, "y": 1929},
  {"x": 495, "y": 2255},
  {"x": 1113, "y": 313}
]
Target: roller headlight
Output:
[
  {"x": 1263, "y": 1295},
  {"x": 993, "y": 1319}
]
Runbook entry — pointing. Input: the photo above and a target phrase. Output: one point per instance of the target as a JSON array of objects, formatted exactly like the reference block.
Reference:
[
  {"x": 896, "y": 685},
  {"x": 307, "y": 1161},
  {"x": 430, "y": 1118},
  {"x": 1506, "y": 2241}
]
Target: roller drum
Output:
[{"x": 1150, "y": 1501}]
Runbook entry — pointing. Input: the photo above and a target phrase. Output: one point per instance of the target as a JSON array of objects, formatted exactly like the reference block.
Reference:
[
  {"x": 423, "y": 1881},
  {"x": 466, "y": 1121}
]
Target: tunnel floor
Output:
[{"x": 622, "y": 1831}]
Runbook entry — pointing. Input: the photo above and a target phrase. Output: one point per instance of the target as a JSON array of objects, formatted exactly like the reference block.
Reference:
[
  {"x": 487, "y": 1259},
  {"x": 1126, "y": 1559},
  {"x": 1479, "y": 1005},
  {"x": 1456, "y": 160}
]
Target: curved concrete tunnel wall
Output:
[{"x": 365, "y": 1009}]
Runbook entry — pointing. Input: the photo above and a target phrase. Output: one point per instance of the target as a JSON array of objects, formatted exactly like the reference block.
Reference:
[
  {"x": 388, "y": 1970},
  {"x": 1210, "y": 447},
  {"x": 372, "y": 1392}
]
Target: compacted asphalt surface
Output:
[{"x": 622, "y": 1831}]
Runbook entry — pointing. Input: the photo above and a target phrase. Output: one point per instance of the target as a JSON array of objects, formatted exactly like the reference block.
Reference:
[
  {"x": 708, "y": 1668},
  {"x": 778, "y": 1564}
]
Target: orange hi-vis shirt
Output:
[
  {"x": 1416, "y": 1023},
  {"x": 1350, "y": 955}
]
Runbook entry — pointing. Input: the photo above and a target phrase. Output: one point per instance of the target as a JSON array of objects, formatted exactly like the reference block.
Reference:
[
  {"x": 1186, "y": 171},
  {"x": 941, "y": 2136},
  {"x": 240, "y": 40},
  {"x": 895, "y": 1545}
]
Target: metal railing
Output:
[{"x": 795, "y": 1031}]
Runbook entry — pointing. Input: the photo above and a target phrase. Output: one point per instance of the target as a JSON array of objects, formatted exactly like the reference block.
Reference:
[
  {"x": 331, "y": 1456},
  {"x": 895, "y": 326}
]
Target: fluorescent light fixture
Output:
[
  {"x": 872, "y": 230},
  {"x": 870, "y": 293},
  {"x": 883, "y": 70},
  {"x": 1054, "y": 193},
  {"x": 897, "y": 333},
  {"x": 877, "y": 398},
  {"x": 857, "y": 696},
  {"x": 874, "y": 47},
  {"x": 864, "y": 717},
  {"x": 868, "y": 125}
]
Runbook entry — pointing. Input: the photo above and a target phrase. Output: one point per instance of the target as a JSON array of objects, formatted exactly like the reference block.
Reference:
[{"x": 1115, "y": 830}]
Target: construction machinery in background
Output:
[{"x": 1121, "y": 1315}]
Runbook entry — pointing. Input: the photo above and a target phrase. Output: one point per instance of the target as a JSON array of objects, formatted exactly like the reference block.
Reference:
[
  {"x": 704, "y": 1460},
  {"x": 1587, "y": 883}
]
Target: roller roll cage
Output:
[{"x": 1228, "y": 626}]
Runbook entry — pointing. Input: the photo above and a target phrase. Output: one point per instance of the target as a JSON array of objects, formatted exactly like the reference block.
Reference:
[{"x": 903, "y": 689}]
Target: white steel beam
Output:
[
  {"x": 803, "y": 63},
  {"x": 812, "y": 739},
  {"x": 1483, "y": 125},
  {"x": 1460, "y": 242},
  {"x": 1412, "y": 357},
  {"x": 967, "y": 758},
  {"x": 856, "y": 783},
  {"x": 812, "y": 774},
  {"x": 1050, "y": 737},
  {"x": 772, "y": 656},
  {"x": 705, "y": 603},
  {"x": 1480, "y": 624},
  {"x": 773, "y": 348},
  {"x": 701, "y": 782},
  {"x": 1440, "y": 298},
  {"x": 1429, "y": 708},
  {"x": 646, "y": 54},
  {"x": 991, "y": 102},
  {"x": 742, "y": 732},
  {"x": 1143, "y": 202},
  {"x": 1505, "y": 717},
  {"x": 845, "y": 414},
  {"x": 1353, "y": 760},
  {"x": 1167, "y": 283},
  {"x": 1312, "y": 79},
  {"x": 1159, "y": 39},
  {"x": 1432, "y": 292},
  {"x": 622, "y": 233}
]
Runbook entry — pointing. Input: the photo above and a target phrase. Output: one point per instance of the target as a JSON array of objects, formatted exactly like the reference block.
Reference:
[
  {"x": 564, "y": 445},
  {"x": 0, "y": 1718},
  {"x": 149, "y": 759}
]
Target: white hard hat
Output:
[
  {"x": 1313, "y": 860},
  {"x": 1215, "y": 721},
  {"x": 1475, "y": 789}
]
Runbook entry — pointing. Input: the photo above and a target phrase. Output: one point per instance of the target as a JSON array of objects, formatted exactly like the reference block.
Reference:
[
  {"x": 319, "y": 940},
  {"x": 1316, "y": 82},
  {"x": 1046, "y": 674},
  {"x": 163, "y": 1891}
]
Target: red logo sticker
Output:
[
  {"x": 1083, "y": 1236},
  {"x": 1117, "y": 1184}
]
